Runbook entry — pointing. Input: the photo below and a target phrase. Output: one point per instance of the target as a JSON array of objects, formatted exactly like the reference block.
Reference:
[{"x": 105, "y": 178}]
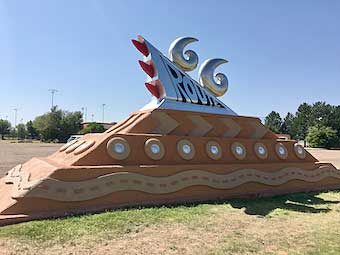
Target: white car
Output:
[{"x": 74, "y": 137}]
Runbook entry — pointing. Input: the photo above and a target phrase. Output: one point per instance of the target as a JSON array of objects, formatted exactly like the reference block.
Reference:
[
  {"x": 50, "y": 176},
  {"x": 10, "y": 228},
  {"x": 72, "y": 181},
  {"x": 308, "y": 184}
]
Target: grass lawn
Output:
[{"x": 305, "y": 223}]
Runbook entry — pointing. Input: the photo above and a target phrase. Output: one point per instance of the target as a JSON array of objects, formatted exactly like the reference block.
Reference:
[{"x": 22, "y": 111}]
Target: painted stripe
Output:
[{"x": 123, "y": 181}]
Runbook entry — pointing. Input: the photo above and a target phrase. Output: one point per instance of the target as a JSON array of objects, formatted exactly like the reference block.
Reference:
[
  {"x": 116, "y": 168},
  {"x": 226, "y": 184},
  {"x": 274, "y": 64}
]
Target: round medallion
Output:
[
  {"x": 154, "y": 149},
  {"x": 238, "y": 150},
  {"x": 214, "y": 150},
  {"x": 261, "y": 150},
  {"x": 118, "y": 148},
  {"x": 281, "y": 151},
  {"x": 185, "y": 149},
  {"x": 299, "y": 151}
]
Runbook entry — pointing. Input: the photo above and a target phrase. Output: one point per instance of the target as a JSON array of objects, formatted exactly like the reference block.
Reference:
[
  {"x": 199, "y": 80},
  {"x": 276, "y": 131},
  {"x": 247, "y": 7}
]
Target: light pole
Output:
[
  {"x": 53, "y": 91},
  {"x": 103, "y": 111},
  {"x": 84, "y": 111},
  {"x": 92, "y": 116},
  {"x": 15, "y": 116}
]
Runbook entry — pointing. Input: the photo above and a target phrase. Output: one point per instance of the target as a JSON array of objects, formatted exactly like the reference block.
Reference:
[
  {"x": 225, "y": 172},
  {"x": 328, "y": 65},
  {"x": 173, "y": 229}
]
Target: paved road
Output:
[
  {"x": 332, "y": 156},
  {"x": 12, "y": 154}
]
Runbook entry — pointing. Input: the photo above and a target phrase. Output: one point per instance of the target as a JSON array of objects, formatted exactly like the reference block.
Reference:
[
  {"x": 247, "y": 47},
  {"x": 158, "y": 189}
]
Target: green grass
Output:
[
  {"x": 103, "y": 225},
  {"x": 304, "y": 223}
]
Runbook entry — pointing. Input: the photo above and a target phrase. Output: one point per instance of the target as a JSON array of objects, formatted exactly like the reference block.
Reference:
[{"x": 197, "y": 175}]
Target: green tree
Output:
[
  {"x": 21, "y": 131},
  {"x": 287, "y": 125},
  {"x": 320, "y": 113},
  {"x": 48, "y": 125},
  {"x": 302, "y": 121},
  {"x": 70, "y": 124},
  {"x": 57, "y": 124},
  {"x": 273, "y": 121},
  {"x": 333, "y": 120},
  {"x": 5, "y": 128},
  {"x": 322, "y": 137},
  {"x": 31, "y": 131},
  {"x": 92, "y": 128}
]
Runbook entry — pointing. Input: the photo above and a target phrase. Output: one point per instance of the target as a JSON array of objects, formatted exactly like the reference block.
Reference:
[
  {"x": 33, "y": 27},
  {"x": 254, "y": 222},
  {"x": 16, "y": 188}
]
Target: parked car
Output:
[{"x": 74, "y": 137}]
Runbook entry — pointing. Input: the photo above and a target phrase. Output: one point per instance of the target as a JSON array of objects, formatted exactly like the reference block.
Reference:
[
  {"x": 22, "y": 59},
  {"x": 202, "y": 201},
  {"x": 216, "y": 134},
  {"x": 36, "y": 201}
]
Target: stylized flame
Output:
[
  {"x": 206, "y": 77},
  {"x": 176, "y": 49},
  {"x": 141, "y": 47},
  {"x": 153, "y": 89},
  {"x": 148, "y": 68}
]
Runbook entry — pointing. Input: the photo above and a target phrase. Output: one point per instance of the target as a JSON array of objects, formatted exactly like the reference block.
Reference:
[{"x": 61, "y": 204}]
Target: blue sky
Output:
[{"x": 280, "y": 53}]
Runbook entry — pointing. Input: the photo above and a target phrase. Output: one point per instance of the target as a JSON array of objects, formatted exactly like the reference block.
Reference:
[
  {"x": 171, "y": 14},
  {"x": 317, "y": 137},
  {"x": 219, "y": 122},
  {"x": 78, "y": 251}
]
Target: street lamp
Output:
[
  {"x": 84, "y": 111},
  {"x": 103, "y": 111},
  {"x": 53, "y": 91},
  {"x": 15, "y": 116}
]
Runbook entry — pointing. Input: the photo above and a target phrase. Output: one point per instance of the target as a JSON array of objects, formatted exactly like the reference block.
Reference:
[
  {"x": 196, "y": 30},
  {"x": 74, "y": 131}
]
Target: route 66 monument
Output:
[{"x": 186, "y": 145}]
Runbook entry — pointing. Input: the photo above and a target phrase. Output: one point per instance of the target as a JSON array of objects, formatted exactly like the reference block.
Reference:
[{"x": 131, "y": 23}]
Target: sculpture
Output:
[{"x": 184, "y": 146}]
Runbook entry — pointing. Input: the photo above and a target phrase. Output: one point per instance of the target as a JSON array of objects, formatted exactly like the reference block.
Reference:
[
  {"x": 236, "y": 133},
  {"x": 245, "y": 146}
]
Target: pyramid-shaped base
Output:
[{"x": 89, "y": 176}]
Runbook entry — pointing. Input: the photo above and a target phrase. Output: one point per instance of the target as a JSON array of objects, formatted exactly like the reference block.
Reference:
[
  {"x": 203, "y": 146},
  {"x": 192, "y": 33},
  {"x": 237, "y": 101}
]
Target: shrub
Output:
[
  {"x": 93, "y": 128},
  {"x": 323, "y": 137},
  {"x": 5, "y": 128}
]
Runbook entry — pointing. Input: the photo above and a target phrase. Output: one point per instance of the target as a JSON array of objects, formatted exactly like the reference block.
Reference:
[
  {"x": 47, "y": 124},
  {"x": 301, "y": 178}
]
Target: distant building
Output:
[{"x": 105, "y": 125}]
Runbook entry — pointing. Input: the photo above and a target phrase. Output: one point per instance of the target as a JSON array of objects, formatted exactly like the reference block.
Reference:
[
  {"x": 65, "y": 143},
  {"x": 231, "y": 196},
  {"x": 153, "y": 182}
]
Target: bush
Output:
[
  {"x": 92, "y": 128},
  {"x": 5, "y": 128},
  {"x": 322, "y": 137},
  {"x": 21, "y": 131}
]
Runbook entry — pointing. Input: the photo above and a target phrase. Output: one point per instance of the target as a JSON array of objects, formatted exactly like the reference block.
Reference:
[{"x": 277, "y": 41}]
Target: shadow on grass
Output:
[
  {"x": 299, "y": 202},
  {"x": 262, "y": 206}
]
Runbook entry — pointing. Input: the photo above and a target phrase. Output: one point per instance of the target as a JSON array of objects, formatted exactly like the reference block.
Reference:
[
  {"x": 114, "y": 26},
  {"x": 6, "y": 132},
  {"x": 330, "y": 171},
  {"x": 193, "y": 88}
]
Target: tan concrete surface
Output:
[
  {"x": 12, "y": 154},
  {"x": 323, "y": 155}
]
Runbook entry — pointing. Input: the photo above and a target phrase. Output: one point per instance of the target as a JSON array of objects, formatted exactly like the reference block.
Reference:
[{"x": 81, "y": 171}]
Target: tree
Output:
[
  {"x": 302, "y": 121},
  {"x": 273, "y": 121},
  {"x": 5, "y": 128},
  {"x": 31, "y": 131},
  {"x": 21, "y": 131},
  {"x": 57, "y": 124},
  {"x": 92, "y": 128},
  {"x": 48, "y": 125},
  {"x": 320, "y": 113},
  {"x": 70, "y": 124},
  {"x": 321, "y": 136},
  {"x": 333, "y": 120},
  {"x": 287, "y": 125}
]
